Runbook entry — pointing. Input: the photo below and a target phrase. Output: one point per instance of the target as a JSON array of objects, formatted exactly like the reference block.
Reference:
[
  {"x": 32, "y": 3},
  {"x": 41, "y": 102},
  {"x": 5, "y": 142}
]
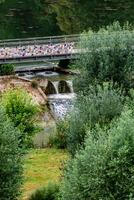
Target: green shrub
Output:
[
  {"x": 23, "y": 112},
  {"x": 104, "y": 170},
  {"x": 108, "y": 57},
  {"x": 96, "y": 108},
  {"x": 49, "y": 192},
  {"x": 6, "y": 69},
  {"x": 10, "y": 160},
  {"x": 58, "y": 140}
]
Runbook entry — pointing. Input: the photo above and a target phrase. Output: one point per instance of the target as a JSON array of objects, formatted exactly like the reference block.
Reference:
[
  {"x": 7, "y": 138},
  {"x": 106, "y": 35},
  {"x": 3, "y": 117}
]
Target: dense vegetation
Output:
[
  {"x": 91, "y": 109},
  {"x": 26, "y": 18},
  {"x": 6, "y": 69},
  {"x": 50, "y": 192},
  {"x": 23, "y": 112},
  {"x": 10, "y": 159},
  {"x": 105, "y": 168},
  {"x": 31, "y": 18},
  {"x": 76, "y": 16},
  {"x": 108, "y": 58},
  {"x": 105, "y": 81},
  {"x": 100, "y": 131},
  {"x": 18, "y": 124}
]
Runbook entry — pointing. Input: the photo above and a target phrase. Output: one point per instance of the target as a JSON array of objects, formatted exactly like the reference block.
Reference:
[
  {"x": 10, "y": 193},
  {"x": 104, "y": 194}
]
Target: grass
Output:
[{"x": 40, "y": 167}]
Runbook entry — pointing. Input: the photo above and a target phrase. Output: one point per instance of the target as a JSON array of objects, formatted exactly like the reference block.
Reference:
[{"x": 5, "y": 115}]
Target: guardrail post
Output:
[
  {"x": 34, "y": 42},
  {"x": 65, "y": 39},
  {"x": 50, "y": 40}
]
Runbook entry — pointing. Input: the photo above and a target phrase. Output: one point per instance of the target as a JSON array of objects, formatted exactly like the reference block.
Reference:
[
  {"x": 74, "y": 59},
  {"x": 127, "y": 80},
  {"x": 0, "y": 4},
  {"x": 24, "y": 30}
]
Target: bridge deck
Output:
[{"x": 38, "y": 49}]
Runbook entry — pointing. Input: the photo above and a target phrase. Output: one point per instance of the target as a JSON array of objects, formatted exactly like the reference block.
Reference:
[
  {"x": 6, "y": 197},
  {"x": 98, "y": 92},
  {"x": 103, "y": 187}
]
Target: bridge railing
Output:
[
  {"x": 38, "y": 58},
  {"x": 40, "y": 40}
]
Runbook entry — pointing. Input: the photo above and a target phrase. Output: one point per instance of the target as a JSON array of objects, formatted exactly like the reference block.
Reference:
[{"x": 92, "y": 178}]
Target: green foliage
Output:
[
  {"x": 50, "y": 192},
  {"x": 6, "y": 69},
  {"x": 58, "y": 140},
  {"x": 23, "y": 112},
  {"x": 10, "y": 160},
  {"x": 109, "y": 57},
  {"x": 1, "y": 1},
  {"x": 105, "y": 169},
  {"x": 31, "y": 18},
  {"x": 77, "y": 16},
  {"x": 98, "y": 107},
  {"x": 27, "y": 18}
]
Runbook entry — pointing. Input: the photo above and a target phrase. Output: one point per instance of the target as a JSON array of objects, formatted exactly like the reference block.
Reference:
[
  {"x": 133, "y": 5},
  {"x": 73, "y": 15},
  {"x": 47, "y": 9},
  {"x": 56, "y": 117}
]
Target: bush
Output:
[
  {"x": 96, "y": 108},
  {"x": 6, "y": 69},
  {"x": 59, "y": 139},
  {"x": 108, "y": 57},
  {"x": 105, "y": 169},
  {"x": 10, "y": 160},
  {"x": 47, "y": 193},
  {"x": 23, "y": 112}
]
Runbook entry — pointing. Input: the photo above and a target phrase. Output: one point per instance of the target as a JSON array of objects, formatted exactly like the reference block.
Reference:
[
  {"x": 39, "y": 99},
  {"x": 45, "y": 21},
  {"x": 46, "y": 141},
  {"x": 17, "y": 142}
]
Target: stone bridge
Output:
[{"x": 59, "y": 87}]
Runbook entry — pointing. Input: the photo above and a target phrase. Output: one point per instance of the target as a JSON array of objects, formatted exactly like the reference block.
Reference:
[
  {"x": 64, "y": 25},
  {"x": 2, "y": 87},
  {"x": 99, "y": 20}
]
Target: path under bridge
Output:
[{"x": 39, "y": 49}]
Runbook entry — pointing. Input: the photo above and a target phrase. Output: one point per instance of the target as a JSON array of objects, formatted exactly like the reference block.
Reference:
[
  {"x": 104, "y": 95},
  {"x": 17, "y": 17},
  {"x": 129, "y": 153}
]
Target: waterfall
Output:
[
  {"x": 56, "y": 83},
  {"x": 60, "y": 92},
  {"x": 62, "y": 101},
  {"x": 61, "y": 104}
]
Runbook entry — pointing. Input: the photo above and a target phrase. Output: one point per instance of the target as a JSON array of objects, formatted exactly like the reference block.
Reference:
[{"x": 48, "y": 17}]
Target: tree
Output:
[
  {"x": 26, "y": 18},
  {"x": 7, "y": 69},
  {"x": 108, "y": 58},
  {"x": 105, "y": 168},
  {"x": 23, "y": 112},
  {"x": 77, "y": 16},
  {"x": 99, "y": 107},
  {"x": 10, "y": 160}
]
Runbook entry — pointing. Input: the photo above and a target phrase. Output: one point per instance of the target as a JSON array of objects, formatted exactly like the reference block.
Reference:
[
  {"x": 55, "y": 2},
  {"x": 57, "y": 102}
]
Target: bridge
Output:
[
  {"x": 39, "y": 49},
  {"x": 59, "y": 87}
]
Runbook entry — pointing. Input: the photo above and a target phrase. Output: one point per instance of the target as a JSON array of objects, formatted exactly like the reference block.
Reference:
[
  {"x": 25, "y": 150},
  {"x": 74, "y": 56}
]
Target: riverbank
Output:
[{"x": 12, "y": 82}]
